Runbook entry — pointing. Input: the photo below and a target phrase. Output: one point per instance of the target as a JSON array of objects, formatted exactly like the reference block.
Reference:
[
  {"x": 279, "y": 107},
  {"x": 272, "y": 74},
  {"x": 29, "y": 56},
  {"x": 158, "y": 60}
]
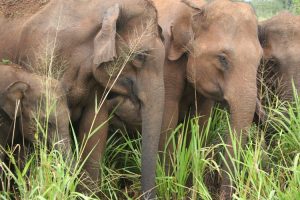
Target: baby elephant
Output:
[{"x": 28, "y": 102}]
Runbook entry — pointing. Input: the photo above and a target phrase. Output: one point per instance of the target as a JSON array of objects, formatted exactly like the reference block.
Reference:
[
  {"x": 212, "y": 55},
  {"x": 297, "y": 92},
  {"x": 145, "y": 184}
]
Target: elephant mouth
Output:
[
  {"x": 216, "y": 94},
  {"x": 112, "y": 95},
  {"x": 119, "y": 122},
  {"x": 124, "y": 88},
  {"x": 119, "y": 97},
  {"x": 124, "y": 110},
  {"x": 118, "y": 118}
]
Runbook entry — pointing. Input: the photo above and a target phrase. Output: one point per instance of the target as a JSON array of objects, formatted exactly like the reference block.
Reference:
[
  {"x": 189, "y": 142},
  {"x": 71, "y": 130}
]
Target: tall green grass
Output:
[{"x": 262, "y": 171}]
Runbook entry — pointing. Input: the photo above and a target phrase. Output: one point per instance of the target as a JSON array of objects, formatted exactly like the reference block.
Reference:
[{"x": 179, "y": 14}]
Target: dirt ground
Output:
[{"x": 20, "y": 8}]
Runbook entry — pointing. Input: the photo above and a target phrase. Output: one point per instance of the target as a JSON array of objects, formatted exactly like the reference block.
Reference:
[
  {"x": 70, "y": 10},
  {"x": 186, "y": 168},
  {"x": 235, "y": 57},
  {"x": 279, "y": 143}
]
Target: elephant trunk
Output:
[
  {"x": 60, "y": 137},
  {"x": 242, "y": 112},
  {"x": 241, "y": 96},
  {"x": 152, "y": 113},
  {"x": 64, "y": 146},
  {"x": 242, "y": 105}
]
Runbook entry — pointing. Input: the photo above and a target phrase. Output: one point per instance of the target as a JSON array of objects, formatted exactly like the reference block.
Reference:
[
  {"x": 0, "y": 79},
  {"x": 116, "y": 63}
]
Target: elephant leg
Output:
[
  {"x": 5, "y": 138},
  {"x": 204, "y": 109},
  {"x": 5, "y": 134},
  {"x": 2, "y": 156},
  {"x": 226, "y": 183},
  {"x": 260, "y": 112},
  {"x": 2, "y": 146},
  {"x": 174, "y": 79},
  {"x": 170, "y": 120},
  {"x": 94, "y": 141}
]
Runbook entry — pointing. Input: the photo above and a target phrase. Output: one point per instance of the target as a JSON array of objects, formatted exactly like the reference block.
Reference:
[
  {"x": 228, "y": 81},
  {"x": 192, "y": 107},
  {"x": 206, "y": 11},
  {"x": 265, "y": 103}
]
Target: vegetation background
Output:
[
  {"x": 268, "y": 167},
  {"x": 267, "y": 8}
]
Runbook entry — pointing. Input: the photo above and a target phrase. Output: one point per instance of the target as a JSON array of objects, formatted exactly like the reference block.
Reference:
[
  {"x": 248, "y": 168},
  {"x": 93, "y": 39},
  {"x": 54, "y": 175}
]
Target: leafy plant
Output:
[{"x": 5, "y": 61}]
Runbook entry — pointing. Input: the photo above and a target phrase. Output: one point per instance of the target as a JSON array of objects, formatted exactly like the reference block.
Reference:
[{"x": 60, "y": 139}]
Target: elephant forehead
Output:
[
  {"x": 133, "y": 8},
  {"x": 214, "y": 46},
  {"x": 200, "y": 48},
  {"x": 224, "y": 10},
  {"x": 137, "y": 30}
]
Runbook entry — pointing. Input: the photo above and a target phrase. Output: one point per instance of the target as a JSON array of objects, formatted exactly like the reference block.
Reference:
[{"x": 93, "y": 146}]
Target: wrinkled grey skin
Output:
[
  {"x": 6, "y": 128},
  {"x": 280, "y": 40},
  {"x": 90, "y": 36},
  {"x": 221, "y": 41},
  {"x": 126, "y": 114},
  {"x": 17, "y": 85},
  {"x": 214, "y": 49}
]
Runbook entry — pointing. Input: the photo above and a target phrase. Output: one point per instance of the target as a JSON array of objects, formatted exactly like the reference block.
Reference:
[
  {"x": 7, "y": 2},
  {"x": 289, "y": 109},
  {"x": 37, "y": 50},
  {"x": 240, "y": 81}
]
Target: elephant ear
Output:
[
  {"x": 181, "y": 37},
  {"x": 160, "y": 32},
  {"x": 199, "y": 16},
  {"x": 13, "y": 93},
  {"x": 182, "y": 32},
  {"x": 262, "y": 35},
  {"x": 177, "y": 48},
  {"x": 105, "y": 40},
  {"x": 193, "y": 4}
]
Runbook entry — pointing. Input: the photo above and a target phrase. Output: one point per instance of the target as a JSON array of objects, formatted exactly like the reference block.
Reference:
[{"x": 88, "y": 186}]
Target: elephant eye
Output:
[
  {"x": 223, "y": 61},
  {"x": 139, "y": 59}
]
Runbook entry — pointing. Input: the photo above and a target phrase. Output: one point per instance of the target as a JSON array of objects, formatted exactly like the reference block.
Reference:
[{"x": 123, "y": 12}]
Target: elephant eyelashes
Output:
[
  {"x": 139, "y": 59},
  {"x": 223, "y": 61}
]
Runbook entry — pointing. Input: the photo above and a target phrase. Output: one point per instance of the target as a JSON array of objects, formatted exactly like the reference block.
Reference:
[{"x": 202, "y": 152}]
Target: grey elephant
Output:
[
  {"x": 102, "y": 44},
  {"x": 218, "y": 44},
  {"x": 280, "y": 40},
  {"x": 212, "y": 54},
  {"x": 23, "y": 102}
]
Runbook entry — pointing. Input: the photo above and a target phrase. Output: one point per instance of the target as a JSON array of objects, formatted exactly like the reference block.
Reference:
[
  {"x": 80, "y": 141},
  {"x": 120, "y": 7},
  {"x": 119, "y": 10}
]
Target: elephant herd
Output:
[{"x": 146, "y": 63}]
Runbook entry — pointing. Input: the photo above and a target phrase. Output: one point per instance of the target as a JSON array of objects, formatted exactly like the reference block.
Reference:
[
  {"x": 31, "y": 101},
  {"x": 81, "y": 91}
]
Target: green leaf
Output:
[{"x": 5, "y": 61}]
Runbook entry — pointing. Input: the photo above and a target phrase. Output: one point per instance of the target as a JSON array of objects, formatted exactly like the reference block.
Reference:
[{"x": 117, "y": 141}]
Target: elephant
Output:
[
  {"x": 221, "y": 41},
  {"x": 23, "y": 101},
  {"x": 280, "y": 40},
  {"x": 101, "y": 44},
  {"x": 5, "y": 125},
  {"x": 212, "y": 55}
]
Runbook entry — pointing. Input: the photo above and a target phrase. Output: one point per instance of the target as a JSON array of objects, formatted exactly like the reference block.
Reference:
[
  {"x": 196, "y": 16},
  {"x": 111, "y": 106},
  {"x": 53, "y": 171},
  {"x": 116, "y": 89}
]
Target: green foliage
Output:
[
  {"x": 39, "y": 172},
  {"x": 261, "y": 171},
  {"x": 296, "y": 6},
  {"x": 267, "y": 8},
  {"x": 5, "y": 61}
]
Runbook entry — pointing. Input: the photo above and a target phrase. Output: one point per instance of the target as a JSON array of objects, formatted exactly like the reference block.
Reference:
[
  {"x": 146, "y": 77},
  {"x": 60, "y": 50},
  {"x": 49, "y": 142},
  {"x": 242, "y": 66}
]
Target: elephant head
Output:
[
  {"x": 223, "y": 50},
  {"x": 280, "y": 40},
  {"x": 128, "y": 57},
  {"x": 99, "y": 40},
  {"x": 224, "y": 53},
  {"x": 24, "y": 97}
]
